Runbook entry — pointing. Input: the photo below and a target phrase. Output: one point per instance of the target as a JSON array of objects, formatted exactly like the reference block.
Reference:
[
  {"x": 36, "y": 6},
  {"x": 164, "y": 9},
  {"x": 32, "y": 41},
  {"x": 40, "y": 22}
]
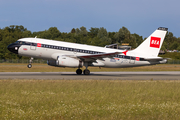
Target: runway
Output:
[{"x": 162, "y": 75}]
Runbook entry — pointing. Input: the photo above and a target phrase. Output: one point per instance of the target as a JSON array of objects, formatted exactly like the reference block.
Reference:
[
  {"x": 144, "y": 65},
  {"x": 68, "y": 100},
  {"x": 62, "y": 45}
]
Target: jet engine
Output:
[{"x": 64, "y": 61}]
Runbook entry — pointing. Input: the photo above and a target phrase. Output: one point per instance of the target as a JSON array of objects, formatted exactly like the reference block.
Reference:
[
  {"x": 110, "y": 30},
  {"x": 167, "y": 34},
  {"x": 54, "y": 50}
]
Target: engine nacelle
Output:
[
  {"x": 52, "y": 62},
  {"x": 63, "y": 61}
]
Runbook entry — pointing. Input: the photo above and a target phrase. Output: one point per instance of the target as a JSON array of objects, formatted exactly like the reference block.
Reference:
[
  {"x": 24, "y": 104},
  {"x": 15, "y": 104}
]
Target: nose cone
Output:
[{"x": 13, "y": 48}]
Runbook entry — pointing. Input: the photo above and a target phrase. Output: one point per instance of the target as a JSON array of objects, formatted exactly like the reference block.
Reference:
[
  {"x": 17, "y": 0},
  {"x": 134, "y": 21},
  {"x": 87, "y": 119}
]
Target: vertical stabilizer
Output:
[{"x": 151, "y": 46}]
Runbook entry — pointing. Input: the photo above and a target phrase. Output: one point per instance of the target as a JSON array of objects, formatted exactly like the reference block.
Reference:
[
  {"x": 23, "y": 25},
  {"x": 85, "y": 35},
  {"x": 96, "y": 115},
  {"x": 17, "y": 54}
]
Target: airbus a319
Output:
[{"x": 65, "y": 54}]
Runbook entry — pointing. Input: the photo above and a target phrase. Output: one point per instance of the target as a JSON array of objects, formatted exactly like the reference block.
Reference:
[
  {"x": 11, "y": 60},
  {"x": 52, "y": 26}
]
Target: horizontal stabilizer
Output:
[{"x": 154, "y": 59}]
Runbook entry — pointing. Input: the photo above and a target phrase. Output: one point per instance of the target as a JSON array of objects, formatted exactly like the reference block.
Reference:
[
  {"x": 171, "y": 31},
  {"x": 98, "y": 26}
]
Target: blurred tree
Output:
[
  {"x": 103, "y": 36},
  {"x": 139, "y": 39},
  {"x": 169, "y": 40},
  {"x": 174, "y": 46},
  {"x": 102, "y": 33},
  {"x": 93, "y": 32},
  {"x": 0, "y": 35},
  {"x": 123, "y": 34},
  {"x": 83, "y": 31},
  {"x": 53, "y": 32},
  {"x": 111, "y": 35},
  {"x": 73, "y": 30},
  {"x": 77, "y": 31},
  {"x": 27, "y": 33}
]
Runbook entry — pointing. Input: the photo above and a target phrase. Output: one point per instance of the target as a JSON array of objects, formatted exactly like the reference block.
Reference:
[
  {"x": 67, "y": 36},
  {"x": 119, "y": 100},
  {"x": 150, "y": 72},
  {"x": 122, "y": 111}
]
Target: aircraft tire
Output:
[
  {"x": 29, "y": 65},
  {"x": 78, "y": 71},
  {"x": 86, "y": 72}
]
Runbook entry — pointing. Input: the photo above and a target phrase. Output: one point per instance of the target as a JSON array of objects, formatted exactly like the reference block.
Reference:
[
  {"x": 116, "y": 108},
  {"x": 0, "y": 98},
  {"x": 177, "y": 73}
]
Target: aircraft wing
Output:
[{"x": 93, "y": 57}]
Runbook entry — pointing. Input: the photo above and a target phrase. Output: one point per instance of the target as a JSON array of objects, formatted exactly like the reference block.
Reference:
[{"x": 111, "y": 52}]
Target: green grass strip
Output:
[{"x": 89, "y": 99}]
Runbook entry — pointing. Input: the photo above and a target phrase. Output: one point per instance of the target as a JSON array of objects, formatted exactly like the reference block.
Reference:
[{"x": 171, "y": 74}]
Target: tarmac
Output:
[{"x": 158, "y": 75}]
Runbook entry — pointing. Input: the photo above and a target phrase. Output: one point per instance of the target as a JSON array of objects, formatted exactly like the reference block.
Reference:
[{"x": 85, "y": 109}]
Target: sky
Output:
[{"x": 138, "y": 16}]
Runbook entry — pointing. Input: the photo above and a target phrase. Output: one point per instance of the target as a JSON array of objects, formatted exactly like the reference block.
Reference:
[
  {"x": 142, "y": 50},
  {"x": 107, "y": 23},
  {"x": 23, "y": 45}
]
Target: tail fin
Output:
[{"x": 151, "y": 46}]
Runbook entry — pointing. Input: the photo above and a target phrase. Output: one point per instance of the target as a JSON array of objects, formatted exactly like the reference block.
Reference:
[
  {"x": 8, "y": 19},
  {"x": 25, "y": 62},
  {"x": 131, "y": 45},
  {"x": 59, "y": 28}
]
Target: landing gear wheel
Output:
[
  {"x": 30, "y": 61},
  {"x": 29, "y": 65},
  {"x": 79, "y": 71},
  {"x": 86, "y": 72}
]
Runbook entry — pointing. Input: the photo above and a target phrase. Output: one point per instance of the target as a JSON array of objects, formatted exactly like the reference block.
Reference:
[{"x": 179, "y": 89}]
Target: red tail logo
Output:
[{"x": 155, "y": 42}]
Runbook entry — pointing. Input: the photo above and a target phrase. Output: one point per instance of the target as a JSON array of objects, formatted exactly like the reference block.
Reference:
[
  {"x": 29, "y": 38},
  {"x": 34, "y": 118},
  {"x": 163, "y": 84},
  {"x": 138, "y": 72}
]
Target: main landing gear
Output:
[
  {"x": 30, "y": 61},
  {"x": 85, "y": 72}
]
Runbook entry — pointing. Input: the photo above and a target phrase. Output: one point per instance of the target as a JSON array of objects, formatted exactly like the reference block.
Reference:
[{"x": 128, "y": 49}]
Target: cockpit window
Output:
[
  {"x": 17, "y": 42},
  {"x": 22, "y": 43}
]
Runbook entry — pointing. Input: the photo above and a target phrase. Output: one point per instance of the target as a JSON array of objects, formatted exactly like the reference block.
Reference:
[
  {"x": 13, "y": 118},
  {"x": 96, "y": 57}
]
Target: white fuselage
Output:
[{"x": 50, "y": 49}]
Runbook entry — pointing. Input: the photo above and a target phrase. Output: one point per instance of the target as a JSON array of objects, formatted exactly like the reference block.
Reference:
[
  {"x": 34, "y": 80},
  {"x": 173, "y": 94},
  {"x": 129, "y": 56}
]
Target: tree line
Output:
[{"x": 93, "y": 36}]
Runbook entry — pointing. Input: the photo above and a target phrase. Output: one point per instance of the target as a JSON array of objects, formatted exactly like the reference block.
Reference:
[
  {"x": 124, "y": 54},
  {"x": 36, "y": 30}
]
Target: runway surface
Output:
[{"x": 162, "y": 75}]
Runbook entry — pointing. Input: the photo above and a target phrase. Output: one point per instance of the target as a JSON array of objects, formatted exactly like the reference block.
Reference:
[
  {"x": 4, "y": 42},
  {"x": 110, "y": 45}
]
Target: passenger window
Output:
[
  {"x": 42, "y": 45},
  {"x": 27, "y": 43},
  {"x": 33, "y": 44}
]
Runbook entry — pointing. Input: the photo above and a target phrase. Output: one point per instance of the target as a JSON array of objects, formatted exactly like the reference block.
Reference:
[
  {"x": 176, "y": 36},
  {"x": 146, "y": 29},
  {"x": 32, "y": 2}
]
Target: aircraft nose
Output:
[{"x": 13, "y": 48}]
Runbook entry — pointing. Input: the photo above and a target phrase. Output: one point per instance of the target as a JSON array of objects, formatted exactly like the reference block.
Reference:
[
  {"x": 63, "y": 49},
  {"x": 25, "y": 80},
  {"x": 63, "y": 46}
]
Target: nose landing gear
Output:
[
  {"x": 29, "y": 65},
  {"x": 30, "y": 61}
]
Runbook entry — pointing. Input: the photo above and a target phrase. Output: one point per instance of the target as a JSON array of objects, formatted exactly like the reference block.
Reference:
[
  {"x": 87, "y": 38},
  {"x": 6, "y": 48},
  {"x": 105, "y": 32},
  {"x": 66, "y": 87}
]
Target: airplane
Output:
[{"x": 66, "y": 54}]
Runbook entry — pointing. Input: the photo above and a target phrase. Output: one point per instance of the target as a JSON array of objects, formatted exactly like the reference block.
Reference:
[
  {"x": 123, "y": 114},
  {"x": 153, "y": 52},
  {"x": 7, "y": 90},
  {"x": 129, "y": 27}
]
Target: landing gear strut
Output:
[{"x": 30, "y": 61}]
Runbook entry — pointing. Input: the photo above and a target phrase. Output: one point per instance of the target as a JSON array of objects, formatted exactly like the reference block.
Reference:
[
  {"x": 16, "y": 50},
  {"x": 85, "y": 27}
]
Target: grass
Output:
[
  {"x": 89, "y": 99},
  {"x": 14, "y": 67}
]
